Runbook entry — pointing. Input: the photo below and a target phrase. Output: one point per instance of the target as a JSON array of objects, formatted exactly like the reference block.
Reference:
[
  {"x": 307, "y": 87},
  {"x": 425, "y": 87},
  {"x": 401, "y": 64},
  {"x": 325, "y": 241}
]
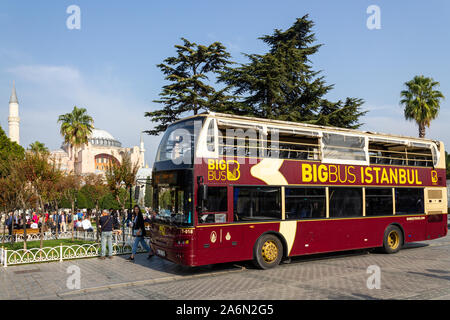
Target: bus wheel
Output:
[
  {"x": 267, "y": 252},
  {"x": 393, "y": 239}
]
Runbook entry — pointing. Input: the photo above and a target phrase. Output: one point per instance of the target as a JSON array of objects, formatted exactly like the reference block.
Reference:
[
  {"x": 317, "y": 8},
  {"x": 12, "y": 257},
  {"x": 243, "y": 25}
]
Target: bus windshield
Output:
[
  {"x": 177, "y": 143},
  {"x": 175, "y": 205}
]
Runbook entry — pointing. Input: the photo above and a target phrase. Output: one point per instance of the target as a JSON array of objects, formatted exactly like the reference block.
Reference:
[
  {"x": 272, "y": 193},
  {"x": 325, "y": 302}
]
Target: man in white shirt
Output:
[
  {"x": 63, "y": 222},
  {"x": 87, "y": 226}
]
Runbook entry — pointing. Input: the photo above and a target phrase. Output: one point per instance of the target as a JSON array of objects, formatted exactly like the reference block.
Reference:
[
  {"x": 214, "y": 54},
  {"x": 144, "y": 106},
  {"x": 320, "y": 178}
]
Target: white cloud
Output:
[{"x": 47, "y": 74}]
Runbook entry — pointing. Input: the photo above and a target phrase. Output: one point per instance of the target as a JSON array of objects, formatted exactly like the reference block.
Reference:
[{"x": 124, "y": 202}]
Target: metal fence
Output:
[
  {"x": 121, "y": 245},
  {"x": 79, "y": 235}
]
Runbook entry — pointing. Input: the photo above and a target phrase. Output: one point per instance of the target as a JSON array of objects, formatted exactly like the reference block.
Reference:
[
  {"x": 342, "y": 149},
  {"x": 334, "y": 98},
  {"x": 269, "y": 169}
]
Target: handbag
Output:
[{"x": 137, "y": 232}]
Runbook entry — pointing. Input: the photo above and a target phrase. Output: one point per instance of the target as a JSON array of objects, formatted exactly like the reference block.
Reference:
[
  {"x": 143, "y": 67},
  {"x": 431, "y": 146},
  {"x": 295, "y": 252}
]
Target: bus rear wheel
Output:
[
  {"x": 393, "y": 239},
  {"x": 268, "y": 252}
]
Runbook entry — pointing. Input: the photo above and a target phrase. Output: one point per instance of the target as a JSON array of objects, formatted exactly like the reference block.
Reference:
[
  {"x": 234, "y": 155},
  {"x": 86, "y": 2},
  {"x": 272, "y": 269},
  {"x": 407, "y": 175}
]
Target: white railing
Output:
[
  {"x": 79, "y": 235},
  {"x": 60, "y": 253}
]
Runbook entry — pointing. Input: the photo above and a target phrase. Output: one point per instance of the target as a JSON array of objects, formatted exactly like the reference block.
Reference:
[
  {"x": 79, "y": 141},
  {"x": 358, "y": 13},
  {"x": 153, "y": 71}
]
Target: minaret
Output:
[
  {"x": 13, "y": 119},
  {"x": 142, "y": 150}
]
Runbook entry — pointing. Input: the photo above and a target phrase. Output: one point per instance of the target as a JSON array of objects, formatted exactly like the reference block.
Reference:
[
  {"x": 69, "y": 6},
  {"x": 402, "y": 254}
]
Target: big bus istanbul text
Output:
[{"x": 359, "y": 175}]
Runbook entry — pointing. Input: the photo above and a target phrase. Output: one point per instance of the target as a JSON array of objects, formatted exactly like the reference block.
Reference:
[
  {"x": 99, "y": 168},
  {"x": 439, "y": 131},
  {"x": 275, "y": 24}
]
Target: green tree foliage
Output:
[
  {"x": 95, "y": 189},
  {"x": 38, "y": 147},
  {"x": 282, "y": 85},
  {"x": 421, "y": 101},
  {"x": 83, "y": 201},
  {"x": 120, "y": 178},
  {"x": 188, "y": 91},
  {"x": 9, "y": 152},
  {"x": 109, "y": 202}
]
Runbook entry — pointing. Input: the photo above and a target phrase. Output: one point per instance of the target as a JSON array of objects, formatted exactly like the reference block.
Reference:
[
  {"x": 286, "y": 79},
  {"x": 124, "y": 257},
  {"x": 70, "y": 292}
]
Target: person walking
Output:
[
  {"x": 138, "y": 230},
  {"x": 9, "y": 223},
  {"x": 62, "y": 222},
  {"x": 106, "y": 227},
  {"x": 56, "y": 219}
]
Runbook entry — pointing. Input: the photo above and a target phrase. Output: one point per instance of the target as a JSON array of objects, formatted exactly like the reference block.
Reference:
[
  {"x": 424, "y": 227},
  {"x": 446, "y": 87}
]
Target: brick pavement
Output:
[{"x": 419, "y": 271}]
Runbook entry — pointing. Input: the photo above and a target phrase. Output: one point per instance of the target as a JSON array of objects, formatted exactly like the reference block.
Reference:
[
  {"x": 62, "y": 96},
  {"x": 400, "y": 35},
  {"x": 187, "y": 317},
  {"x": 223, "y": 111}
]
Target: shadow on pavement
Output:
[
  {"x": 158, "y": 264},
  {"x": 414, "y": 245}
]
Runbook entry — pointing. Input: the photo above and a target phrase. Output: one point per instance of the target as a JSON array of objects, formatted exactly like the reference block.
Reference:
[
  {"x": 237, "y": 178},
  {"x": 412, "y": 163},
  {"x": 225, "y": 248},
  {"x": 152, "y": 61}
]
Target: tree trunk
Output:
[
  {"x": 41, "y": 244},
  {"x": 421, "y": 130},
  {"x": 73, "y": 221},
  {"x": 24, "y": 221},
  {"x": 4, "y": 229},
  {"x": 97, "y": 220},
  {"x": 12, "y": 227},
  {"x": 56, "y": 224},
  {"x": 122, "y": 220}
]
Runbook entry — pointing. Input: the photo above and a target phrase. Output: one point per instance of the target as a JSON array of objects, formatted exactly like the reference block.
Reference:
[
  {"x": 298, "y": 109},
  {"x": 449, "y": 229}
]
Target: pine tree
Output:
[
  {"x": 188, "y": 91},
  {"x": 339, "y": 114},
  {"x": 281, "y": 84}
]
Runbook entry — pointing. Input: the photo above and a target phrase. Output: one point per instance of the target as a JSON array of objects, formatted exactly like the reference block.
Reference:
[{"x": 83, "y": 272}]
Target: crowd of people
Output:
[
  {"x": 62, "y": 221},
  {"x": 108, "y": 223}
]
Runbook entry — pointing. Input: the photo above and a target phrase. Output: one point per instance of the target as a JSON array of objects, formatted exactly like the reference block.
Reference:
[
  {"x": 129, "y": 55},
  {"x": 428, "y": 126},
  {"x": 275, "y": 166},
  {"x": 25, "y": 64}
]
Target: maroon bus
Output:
[{"x": 231, "y": 188}]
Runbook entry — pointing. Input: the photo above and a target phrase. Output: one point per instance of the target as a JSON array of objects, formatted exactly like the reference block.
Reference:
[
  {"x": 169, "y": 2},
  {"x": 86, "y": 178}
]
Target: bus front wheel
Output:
[
  {"x": 268, "y": 252},
  {"x": 393, "y": 239}
]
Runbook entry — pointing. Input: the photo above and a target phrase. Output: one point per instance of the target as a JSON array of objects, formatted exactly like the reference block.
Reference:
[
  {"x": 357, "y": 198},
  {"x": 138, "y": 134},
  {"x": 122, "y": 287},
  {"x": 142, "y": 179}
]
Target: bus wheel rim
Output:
[
  {"x": 269, "y": 251},
  {"x": 393, "y": 240}
]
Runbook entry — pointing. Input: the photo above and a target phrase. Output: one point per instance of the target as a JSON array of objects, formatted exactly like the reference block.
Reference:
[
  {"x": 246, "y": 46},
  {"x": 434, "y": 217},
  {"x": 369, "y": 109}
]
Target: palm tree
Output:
[
  {"x": 421, "y": 101},
  {"x": 38, "y": 147},
  {"x": 76, "y": 127}
]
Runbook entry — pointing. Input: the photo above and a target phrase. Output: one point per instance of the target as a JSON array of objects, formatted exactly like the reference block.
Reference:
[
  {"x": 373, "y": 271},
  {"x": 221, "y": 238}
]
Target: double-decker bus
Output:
[{"x": 232, "y": 188}]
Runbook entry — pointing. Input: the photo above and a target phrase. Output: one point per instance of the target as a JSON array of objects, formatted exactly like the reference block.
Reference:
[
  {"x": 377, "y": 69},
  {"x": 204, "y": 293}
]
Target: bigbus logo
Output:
[
  {"x": 221, "y": 170},
  {"x": 434, "y": 176}
]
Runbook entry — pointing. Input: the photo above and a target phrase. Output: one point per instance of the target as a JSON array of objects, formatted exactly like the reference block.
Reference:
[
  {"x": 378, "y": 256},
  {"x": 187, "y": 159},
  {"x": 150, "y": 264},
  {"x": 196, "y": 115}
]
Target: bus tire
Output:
[
  {"x": 267, "y": 252},
  {"x": 393, "y": 239}
]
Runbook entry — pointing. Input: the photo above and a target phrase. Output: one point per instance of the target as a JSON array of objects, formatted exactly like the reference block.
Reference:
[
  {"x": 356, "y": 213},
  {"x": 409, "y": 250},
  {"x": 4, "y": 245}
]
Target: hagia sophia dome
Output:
[{"x": 99, "y": 137}]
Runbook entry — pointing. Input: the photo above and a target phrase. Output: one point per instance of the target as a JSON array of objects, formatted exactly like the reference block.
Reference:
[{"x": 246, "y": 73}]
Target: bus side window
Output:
[
  {"x": 409, "y": 200},
  {"x": 216, "y": 206},
  {"x": 257, "y": 203},
  {"x": 345, "y": 202},
  {"x": 304, "y": 203}
]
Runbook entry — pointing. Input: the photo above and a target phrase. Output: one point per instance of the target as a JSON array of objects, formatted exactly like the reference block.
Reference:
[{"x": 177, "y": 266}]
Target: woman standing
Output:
[{"x": 138, "y": 230}]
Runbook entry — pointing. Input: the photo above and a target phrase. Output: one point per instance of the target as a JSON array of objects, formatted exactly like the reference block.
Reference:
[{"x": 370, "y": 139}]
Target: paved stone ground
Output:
[{"x": 419, "y": 271}]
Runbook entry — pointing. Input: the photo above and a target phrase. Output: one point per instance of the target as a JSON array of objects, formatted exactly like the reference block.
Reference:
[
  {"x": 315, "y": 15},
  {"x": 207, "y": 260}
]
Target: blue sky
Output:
[{"x": 109, "y": 65}]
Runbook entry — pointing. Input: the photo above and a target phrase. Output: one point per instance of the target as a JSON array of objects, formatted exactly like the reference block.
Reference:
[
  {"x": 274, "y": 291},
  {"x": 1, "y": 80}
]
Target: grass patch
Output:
[{"x": 46, "y": 243}]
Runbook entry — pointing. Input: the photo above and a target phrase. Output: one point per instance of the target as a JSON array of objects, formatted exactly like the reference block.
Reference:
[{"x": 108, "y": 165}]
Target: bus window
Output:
[
  {"x": 210, "y": 137},
  {"x": 379, "y": 201},
  {"x": 215, "y": 207},
  {"x": 345, "y": 202},
  {"x": 337, "y": 147},
  {"x": 390, "y": 152},
  {"x": 257, "y": 203},
  {"x": 304, "y": 203},
  {"x": 409, "y": 200}
]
